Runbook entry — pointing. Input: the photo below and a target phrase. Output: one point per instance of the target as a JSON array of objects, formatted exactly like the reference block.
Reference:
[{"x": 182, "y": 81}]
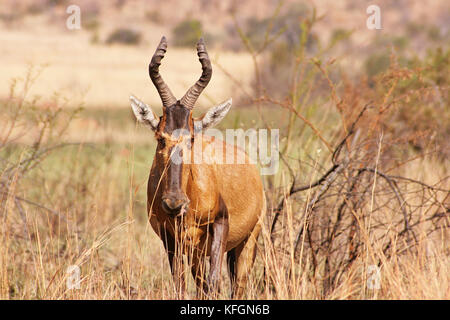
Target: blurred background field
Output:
[{"x": 74, "y": 164}]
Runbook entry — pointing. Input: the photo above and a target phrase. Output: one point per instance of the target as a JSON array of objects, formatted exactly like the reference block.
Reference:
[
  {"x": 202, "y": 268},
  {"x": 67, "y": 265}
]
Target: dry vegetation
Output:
[{"x": 363, "y": 180}]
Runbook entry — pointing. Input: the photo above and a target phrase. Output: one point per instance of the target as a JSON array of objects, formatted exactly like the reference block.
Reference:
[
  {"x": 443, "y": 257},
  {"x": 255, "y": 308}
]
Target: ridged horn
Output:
[
  {"x": 166, "y": 95},
  {"x": 194, "y": 92}
]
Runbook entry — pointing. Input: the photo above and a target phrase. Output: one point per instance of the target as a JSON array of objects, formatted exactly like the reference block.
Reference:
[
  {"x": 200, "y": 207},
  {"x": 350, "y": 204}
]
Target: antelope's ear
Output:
[
  {"x": 213, "y": 116},
  {"x": 144, "y": 113}
]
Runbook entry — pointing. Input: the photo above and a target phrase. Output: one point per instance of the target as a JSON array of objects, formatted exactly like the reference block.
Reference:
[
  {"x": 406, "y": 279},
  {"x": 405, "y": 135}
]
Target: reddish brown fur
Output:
[
  {"x": 206, "y": 208},
  {"x": 204, "y": 184}
]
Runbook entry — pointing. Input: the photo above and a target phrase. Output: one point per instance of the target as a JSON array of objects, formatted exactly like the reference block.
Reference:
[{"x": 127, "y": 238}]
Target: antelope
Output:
[{"x": 199, "y": 209}]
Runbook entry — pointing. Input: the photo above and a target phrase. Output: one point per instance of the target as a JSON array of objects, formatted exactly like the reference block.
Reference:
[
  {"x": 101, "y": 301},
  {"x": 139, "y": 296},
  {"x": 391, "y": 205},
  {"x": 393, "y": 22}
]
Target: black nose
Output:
[{"x": 173, "y": 205}]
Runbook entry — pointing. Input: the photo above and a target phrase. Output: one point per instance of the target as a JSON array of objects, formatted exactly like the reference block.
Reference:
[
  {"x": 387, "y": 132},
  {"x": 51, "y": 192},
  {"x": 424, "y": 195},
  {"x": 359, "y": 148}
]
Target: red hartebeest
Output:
[{"x": 200, "y": 209}]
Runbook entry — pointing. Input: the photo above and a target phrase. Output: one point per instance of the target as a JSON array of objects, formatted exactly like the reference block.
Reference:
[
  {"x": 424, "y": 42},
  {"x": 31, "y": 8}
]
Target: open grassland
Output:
[{"x": 87, "y": 74}]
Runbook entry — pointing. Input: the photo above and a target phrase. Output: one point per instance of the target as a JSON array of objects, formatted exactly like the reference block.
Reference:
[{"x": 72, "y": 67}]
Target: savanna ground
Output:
[{"x": 359, "y": 208}]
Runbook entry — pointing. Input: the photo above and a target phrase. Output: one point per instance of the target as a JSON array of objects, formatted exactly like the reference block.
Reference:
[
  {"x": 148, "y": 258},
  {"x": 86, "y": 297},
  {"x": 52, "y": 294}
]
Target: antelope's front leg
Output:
[
  {"x": 218, "y": 246},
  {"x": 176, "y": 264}
]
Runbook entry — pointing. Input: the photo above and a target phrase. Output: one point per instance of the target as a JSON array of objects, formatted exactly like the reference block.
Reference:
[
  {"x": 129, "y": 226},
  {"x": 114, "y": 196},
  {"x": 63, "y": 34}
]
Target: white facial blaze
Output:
[
  {"x": 213, "y": 116},
  {"x": 144, "y": 113}
]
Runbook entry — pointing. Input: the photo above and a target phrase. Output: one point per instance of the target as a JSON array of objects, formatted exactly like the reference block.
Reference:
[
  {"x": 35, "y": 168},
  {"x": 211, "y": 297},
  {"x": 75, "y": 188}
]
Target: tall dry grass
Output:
[
  {"x": 66, "y": 203},
  {"x": 355, "y": 196}
]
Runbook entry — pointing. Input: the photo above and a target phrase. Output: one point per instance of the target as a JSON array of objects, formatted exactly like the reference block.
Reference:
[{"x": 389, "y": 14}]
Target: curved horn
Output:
[
  {"x": 194, "y": 92},
  {"x": 166, "y": 95}
]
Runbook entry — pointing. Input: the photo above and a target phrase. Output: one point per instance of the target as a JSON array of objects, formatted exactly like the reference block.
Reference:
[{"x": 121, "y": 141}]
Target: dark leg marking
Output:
[
  {"x": 175, "y": 262},
  {"x": 231, "y": 261},
  {"x": 219, "y": 241}
]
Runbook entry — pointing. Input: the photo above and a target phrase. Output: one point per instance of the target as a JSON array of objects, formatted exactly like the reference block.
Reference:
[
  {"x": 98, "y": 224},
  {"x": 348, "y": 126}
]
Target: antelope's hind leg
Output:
[
  {"x": 218, "y": 245},
  {"x": 231, "y": 262},
  {"x": 245, "y": 254}
]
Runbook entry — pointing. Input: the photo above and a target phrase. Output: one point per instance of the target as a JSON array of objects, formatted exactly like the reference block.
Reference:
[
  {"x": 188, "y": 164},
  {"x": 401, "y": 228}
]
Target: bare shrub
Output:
[{"x": 345, "y": 199}]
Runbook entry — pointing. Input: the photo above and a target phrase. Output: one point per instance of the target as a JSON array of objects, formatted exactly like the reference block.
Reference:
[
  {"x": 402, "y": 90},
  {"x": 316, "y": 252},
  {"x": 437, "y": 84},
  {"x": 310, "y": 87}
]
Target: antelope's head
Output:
[{"x": 175, "y": 130}]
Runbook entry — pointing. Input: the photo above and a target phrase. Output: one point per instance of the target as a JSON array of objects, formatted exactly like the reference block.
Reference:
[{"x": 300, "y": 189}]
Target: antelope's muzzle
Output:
[{"x": 174, "y": 204}]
